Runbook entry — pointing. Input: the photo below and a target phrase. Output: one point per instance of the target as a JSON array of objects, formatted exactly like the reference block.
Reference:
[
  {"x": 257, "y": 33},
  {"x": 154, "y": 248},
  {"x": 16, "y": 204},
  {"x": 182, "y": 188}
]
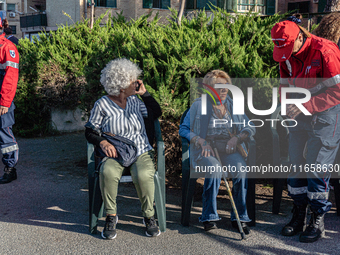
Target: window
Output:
[
  {"x": 105, "y": 3},
  {"x": 11, "y": 7},
  {"x": 270, "y": 7},
  {"x": 223, "y": 4},
  {"x": 242, "y": 5},
  {"x": 246, "y": 5},
  {"x": 14, "y": 29},
  {"x": 160, "y": 4},
  {"x": 301, "y": 7},
  {"x": 200, "y": 4}
]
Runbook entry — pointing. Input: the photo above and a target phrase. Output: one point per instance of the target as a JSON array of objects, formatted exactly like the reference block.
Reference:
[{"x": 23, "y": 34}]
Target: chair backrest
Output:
[
  {"x": 185, "y": 144},
  {"x": 183, "y": 115}
]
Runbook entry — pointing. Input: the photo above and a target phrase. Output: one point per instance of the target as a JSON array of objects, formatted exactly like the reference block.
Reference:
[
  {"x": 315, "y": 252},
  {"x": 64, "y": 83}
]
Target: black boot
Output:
[
  {"x": 315, "y": 229},
  {"x": 9, "y": 175},
  {"x": 298, "y": 221}
]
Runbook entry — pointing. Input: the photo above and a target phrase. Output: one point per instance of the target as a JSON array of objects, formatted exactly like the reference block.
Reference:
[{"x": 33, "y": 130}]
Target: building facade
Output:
[
  {"x": 10, "y": 9},
  {"x": 29, "y": 17},
  {"x": 46, "y": 15}
]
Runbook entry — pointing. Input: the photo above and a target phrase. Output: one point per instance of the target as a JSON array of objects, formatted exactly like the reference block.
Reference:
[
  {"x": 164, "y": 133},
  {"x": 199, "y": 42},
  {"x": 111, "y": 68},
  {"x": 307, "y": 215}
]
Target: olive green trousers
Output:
[{"x": 142, "y": 173}]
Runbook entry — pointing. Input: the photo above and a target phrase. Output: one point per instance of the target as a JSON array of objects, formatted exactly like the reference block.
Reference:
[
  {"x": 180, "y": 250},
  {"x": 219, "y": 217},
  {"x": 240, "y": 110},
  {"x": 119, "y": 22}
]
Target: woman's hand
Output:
[
  {"x": 231, "y": 145},
  {"x": 142, "y": 88},
  {"x": 3, "y": 110},
  {"x": 108, "y": 149},
  {"x": 207, "y": 151}
]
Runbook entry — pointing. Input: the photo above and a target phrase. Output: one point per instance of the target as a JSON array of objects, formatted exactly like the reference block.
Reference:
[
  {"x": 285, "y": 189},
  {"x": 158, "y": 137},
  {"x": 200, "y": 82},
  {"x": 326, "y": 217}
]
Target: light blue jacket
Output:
[{"x": 191, "y": 125}]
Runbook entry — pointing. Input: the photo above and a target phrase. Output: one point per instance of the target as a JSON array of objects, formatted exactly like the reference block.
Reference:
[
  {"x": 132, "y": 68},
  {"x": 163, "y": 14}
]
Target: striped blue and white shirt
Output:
[{"x": 107, "y": 116}]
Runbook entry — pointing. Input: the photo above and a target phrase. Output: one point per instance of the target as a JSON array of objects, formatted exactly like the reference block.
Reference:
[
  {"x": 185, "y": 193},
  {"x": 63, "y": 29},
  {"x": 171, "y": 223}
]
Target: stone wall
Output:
[
  {"x": 55, "y": 9},
  {"x": 101, "y": 10},
  {"x": 133, "y": 9},
  {"x": 68, "y": 121}
]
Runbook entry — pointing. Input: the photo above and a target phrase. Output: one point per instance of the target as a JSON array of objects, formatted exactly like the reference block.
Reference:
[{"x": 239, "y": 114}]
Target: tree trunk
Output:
[
  {"x": 92, "y": 14},
  {"x": 180, "y": 13},
  {"x": 332, "y": 6}
]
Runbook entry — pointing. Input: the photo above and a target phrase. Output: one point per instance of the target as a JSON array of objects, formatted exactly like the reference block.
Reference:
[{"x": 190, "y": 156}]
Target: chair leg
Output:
[
  {"x": 277, "y": 194},
  {"x": 251, "y": 202},
  {"x": 95, "y": 204},
  {"x": 188, "y": 201},
  {"x": 185, "y": 183},
  {"x": 337, "y": 195},
  {"x": 160, "y": 202}
]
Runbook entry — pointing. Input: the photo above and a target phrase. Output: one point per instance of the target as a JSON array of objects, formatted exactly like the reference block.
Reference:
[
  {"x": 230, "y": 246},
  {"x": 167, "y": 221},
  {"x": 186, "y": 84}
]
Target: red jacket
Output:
[
  {"x": 319, "y": 61},
  {"x": 9, "y": 63}
]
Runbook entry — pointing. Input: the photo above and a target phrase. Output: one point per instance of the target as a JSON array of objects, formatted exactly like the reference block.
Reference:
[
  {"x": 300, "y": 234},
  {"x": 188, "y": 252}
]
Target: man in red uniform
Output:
[
  {"x": 313, "y": 63},
  {"x": 9, "y": 74}
]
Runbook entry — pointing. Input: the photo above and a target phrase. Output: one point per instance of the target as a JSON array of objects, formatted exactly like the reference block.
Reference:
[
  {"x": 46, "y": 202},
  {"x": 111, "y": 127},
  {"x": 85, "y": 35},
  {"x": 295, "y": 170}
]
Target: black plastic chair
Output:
[
  {"x": 279, "y": 158},
  {"x": 189, "y": 184}
]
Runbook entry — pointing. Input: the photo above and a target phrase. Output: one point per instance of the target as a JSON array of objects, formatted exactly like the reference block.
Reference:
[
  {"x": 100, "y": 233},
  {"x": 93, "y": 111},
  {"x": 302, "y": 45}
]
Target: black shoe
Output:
[
  {"x": 209, "y": 225},
  {"x": 151, "y": 227},
  {"x": 109, "y": 231},
  {"x": 244, "y": 225},
  {"x": 9, "y": 175},
  {"x": 298, "y": 221},
  {"x": 315, "y": 229}
]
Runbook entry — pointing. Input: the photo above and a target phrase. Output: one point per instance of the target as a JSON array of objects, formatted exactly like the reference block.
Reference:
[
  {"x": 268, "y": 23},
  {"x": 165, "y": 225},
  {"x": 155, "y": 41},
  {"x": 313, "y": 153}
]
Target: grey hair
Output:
[{"x": 118, "y": 75}]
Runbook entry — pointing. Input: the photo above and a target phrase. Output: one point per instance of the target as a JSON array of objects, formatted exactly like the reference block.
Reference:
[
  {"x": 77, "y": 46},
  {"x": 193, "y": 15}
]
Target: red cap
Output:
[
  {"x": 284, "y": 35},
  {"x": 0, "y": 23}
]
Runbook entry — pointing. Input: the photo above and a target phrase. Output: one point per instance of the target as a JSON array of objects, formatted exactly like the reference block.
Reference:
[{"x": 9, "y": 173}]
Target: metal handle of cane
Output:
[{"x": 243, "y": 235}]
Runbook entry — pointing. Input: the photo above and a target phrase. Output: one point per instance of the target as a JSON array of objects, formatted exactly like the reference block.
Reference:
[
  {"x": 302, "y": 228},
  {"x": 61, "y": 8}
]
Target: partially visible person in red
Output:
[
  {"x": 313, "y": 63},
  {"x": 9, "y": 74},
  {"x": 329, "y": 28},
  {"x": 8, "y": 32}
]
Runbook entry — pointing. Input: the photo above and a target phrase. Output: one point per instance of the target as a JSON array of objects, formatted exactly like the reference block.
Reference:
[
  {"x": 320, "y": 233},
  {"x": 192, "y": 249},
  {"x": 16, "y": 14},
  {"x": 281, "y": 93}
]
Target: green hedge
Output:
[{"x": 63, "y": 69}]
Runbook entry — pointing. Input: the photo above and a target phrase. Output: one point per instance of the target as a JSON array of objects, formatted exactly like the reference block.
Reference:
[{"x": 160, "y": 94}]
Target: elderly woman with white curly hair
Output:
[{"x": 123, "y": 114}]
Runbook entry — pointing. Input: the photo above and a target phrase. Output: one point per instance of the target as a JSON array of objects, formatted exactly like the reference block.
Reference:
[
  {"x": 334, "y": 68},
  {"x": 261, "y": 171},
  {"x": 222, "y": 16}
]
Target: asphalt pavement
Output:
[{"x": 45, "y": 211}]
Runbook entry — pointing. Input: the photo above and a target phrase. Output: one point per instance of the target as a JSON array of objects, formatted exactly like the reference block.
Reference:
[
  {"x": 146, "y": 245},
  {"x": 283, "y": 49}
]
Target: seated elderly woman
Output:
[
  {"x": 205, "y": 134},
  {"x": 123, "y": 114}
]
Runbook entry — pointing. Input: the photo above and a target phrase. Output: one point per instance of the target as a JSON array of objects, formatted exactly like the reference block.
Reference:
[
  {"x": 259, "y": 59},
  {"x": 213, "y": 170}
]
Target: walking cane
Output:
[{"x": 243, "y": 235}]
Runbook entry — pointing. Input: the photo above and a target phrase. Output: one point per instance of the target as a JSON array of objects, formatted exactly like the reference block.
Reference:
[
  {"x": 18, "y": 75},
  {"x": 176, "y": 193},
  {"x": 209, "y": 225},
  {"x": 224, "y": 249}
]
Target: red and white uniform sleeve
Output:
[
  {"x": 331, "y": 96},
  {"x": 10, "y": 63}
]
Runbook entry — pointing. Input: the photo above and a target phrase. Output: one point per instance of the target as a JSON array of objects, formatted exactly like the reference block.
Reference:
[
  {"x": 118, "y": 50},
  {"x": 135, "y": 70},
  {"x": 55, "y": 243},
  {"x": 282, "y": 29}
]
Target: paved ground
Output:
[{"x": 45, "y": 211}]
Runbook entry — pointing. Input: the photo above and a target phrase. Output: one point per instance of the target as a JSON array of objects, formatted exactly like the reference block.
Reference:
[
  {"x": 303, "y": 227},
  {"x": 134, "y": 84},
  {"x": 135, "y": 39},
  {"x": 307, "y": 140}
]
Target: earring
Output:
[{"x": 123, "y": 90}]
